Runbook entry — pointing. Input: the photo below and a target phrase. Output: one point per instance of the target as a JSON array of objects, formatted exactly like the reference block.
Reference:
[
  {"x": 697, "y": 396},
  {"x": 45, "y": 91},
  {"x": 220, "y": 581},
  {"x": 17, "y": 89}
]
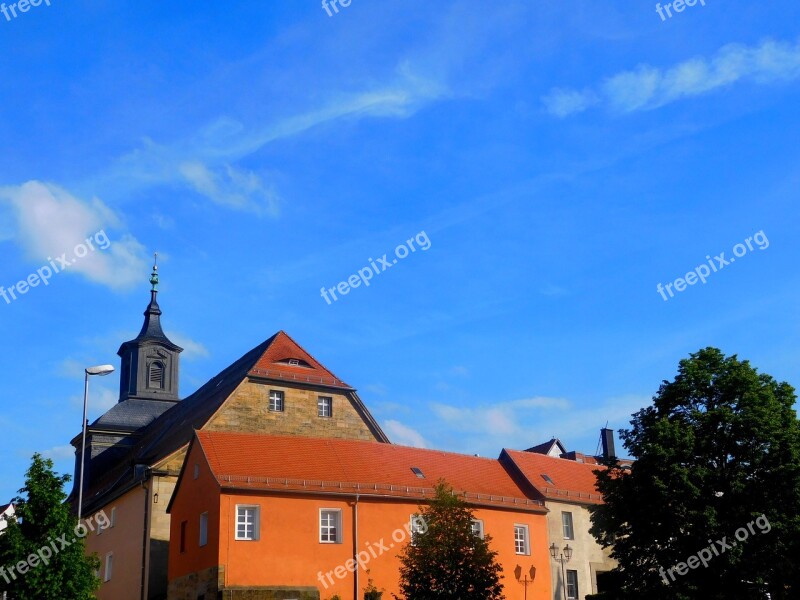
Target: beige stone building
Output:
[
  {"x": 566, "y": 483},
  {"x": 134, "y": 452}
]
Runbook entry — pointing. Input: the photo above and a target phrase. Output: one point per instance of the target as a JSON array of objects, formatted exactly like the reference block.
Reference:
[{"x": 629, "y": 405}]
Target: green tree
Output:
[
  {"x": 718, "y": 448},
  {"x": 46, "y": 536},
  {"x": 448, "y": 560}
]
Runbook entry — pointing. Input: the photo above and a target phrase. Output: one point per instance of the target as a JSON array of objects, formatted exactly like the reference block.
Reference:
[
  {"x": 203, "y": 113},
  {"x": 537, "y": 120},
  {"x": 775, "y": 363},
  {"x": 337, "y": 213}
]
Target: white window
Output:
[
  {"x": 247, "y": 518},
  {"x": 416, "y": 526},
  {"x": 325, "y": 406},
  {"x": 566, "y": 522},
  {"x": 572, "y": 585},
  {"x": 330, "y": 526},
  {"x": 521, "y": 545},
  {"x": 276, "y": 401},
  {"x": 477, "y": 528},
  {"x": 204, "y": 529},
  {"x": 109, "y": 566}
]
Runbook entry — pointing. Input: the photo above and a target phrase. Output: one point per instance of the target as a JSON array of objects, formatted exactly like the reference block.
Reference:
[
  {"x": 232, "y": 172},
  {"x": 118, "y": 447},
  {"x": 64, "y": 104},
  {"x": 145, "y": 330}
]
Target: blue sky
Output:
[{"x": 562, "y": 159}]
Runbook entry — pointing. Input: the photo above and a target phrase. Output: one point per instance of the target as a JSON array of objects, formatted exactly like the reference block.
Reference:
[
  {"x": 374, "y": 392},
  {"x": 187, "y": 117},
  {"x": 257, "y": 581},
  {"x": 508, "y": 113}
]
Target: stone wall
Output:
[{"x": 247, "y": 411}]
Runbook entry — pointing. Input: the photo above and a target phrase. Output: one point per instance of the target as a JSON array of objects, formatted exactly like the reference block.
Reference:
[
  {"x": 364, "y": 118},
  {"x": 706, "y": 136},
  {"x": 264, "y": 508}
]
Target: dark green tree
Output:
[
  {"x": 718, "y": 450},
  {"x": 448, "y": 560},
  {"x": 46, "y": 542}
]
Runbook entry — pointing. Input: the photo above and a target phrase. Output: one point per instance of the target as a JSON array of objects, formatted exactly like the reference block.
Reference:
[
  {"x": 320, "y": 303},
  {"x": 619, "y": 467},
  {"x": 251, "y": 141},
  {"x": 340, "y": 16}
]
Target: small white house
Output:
[{"x": 6, "y": 514}]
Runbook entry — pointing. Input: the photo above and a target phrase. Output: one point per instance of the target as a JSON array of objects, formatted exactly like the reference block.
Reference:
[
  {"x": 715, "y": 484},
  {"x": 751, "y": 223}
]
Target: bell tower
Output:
[{"x": 150, "y": 361}]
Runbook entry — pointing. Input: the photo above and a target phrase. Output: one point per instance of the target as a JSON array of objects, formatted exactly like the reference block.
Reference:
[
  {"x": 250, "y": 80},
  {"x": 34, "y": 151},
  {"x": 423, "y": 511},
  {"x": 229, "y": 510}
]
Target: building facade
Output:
[
  {"x": 566, "y": 482},
  {"x": 278, "y": 518},
  {"x": 134, "y": 452}
]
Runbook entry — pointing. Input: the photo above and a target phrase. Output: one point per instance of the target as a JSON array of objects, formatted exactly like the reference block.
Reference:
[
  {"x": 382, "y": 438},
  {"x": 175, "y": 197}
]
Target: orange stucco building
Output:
[{"x": 263, "y": 516}]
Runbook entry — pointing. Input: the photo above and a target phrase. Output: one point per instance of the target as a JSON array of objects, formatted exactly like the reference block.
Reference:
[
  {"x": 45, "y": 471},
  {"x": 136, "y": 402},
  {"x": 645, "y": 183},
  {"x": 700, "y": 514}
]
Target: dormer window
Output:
[
  {"x": 155, "y": 375},
  {"x": 293, "y": 362}
]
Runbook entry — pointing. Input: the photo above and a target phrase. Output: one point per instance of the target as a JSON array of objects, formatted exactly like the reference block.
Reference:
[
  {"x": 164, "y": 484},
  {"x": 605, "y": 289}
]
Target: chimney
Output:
[{"x": 607, "y": 437}]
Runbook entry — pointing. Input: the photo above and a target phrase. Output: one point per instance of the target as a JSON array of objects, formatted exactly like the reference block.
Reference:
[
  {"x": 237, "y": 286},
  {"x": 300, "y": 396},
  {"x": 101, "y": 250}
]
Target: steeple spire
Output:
[
  {"x": 150, "y": 361},
  {"x": 154, "y": 274}
]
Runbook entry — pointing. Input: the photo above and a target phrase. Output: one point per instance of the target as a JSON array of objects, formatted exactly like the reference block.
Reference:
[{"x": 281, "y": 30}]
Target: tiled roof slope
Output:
[
  {"x": 321, "y": 465},
  {"x": 274, "y": 364},
  {"x": 175, "y": 428},
  {"x": 571, "y": 481}
]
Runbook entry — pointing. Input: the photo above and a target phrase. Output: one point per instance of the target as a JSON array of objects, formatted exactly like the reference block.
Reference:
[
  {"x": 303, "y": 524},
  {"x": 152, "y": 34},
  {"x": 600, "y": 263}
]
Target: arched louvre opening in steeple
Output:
[{"x": 155, "y": 376}]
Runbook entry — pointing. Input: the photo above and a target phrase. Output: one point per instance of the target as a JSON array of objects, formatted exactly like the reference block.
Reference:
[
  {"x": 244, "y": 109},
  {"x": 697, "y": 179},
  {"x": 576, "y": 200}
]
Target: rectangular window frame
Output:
[
  {"x": 325, "y": 526},
  {"x": 256, "y": 525},
  {"x": 184, "y": 527},
  {"x": 522, "y": 545},
  {"x": 414, "y": 527},
  {"x": 325, "y": 405},
  {"x": 567, "y": 525},
  {"x": 477, "y": 528},
  {"x": 572, "y": 583},
  {"x": 109, "y": 567},
  {"x": 203, "y": 537},
  {"x": 278, "y": 403}
]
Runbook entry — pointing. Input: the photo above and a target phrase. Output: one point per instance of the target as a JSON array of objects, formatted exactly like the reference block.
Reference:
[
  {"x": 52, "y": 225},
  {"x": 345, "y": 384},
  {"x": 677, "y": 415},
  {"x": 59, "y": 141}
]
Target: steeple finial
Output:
[{"x": 154, "y": 274}]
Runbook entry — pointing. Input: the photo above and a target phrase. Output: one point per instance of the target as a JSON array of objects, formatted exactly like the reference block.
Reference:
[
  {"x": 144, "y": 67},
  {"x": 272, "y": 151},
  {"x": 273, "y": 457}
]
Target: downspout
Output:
[
  {"x": 145, "y": 537},
  {"x": 355, "y": 548}
]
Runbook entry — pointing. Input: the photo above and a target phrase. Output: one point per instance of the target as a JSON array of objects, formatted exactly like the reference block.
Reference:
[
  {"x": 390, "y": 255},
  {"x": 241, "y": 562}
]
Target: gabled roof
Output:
[
  {"x": 549, "y": 447},
  {"x": 175, "y": 427},
  {"x": 556, "y": 478},
  {"x": 285, "y": 359},
  {"x": 323, "y": 465}
]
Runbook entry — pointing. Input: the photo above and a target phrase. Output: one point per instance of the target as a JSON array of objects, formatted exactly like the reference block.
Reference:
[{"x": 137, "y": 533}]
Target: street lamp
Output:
[
  {"x": 101, "y": 370},
  {"x": 562, "y": 557}
]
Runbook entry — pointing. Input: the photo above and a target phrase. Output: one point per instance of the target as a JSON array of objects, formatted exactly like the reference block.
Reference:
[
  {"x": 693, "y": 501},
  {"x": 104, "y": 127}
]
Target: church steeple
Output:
[{"x": 150, "y": 361}]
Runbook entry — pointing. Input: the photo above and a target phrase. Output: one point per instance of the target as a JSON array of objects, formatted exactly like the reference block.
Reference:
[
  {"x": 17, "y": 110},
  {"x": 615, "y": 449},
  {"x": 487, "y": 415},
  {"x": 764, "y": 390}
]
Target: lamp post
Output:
[
  {"x": 562, "y": 557},
  {"x": 101, "y": 370},
  {"x": 525, "y": 581}
]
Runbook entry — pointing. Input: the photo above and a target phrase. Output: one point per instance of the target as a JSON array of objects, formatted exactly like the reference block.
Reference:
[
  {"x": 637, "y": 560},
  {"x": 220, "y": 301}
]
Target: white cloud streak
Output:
[
  {"x": 647, "y": 87},
  {"x": 48, "y": 221},
  {"x": 403, "y": 434}
]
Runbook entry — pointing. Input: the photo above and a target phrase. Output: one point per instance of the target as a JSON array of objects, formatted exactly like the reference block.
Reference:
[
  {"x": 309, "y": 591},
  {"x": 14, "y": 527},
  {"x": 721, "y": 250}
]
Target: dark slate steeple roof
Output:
[{"x": 151, "y": 328}]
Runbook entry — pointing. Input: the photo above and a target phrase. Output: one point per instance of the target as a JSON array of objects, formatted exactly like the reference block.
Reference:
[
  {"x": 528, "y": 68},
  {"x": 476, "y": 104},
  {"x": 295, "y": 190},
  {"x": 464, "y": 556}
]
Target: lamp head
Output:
[
  {"x": 101, "y": 370},
  {"x": 553, "y": 550},
  {"x": 567, "y": 552}
]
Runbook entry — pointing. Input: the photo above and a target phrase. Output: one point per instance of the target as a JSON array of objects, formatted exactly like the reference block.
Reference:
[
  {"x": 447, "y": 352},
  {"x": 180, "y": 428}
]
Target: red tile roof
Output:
[
  {"x": 323, "y": 465},
  {"x": 571, "y": 481},
  {"x": 274, "y": 364}
]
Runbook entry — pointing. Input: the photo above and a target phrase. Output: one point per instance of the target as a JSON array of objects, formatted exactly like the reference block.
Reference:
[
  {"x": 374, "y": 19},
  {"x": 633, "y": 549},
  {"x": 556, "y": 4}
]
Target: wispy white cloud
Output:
[
  {"x": 191, "y": 348},
  {"x": 403, "y": 434},
  {"x": 205, "y": 162},
  {"x": 647, "y": 87},
  {"x": 60, "y": 453},
  {"x": 563, "y": 102},
  {"x": 501, "y": 419},
  {"x": 522, "y": 423},
  {"x": 49, "y": 221}
]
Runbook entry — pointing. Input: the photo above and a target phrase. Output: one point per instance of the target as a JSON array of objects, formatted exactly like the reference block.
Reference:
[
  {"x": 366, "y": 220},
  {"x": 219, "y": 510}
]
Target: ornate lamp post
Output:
[{"x": 562, "y": 557}]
